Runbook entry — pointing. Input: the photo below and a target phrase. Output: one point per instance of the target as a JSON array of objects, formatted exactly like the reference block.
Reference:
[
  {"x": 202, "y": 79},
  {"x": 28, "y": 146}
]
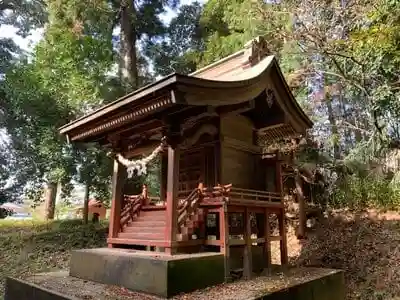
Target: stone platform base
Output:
[
  {"x": 294, "y": 284},
  {"x": 149, "y": 272}
]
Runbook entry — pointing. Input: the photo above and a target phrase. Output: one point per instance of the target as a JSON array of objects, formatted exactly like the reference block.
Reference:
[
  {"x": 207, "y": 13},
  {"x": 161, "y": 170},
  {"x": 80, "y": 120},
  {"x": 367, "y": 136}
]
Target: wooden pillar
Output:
[
  {"x": 281, "y": 215},
  {"x": 171, "y": 228},
  {"x": 267, "y": 244},
  {"x": 224, "y": 238},
  {"x": 278, "y": 183},
  {"x": 163, "y": 181},
  {"x": 117, "y": 194},
  {"x": 247, "y": 255}
]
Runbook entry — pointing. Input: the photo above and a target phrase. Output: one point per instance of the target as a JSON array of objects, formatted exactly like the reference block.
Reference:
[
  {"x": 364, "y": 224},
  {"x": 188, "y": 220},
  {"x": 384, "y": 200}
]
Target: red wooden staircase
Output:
[
  {"x": 145, "y": 225},
  {"x": 148, "y": 225}
]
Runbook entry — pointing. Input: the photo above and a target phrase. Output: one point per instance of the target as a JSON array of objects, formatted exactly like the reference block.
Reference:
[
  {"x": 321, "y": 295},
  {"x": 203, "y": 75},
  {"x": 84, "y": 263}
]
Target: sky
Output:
[{"x": 28, "y": 43}]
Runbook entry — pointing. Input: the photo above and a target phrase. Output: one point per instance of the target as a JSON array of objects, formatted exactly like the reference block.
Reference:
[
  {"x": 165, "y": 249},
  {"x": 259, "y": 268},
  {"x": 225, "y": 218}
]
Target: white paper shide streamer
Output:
[{"x": 139, "y": 165}]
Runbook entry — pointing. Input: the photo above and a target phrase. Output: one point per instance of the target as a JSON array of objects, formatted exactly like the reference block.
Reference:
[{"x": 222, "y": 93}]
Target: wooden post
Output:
[
  {"x": 279, "y": 183},
  {"x": 301, "y": 232},
  {"x": 163, "y": 181},
  {"x": 281, "y": 216},
  {"x": 171, "y": 228},
  {"x": 247, "y": 255},
  {"x": 267, "y": 244},
  {"x": 118, "y": 180},
  {"x": 283, "y": 241},
  {"x": 224, "y": 238}
]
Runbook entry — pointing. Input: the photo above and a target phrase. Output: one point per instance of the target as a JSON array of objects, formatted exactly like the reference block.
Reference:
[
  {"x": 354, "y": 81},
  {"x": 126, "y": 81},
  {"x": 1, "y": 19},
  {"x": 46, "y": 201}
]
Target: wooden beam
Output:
[
  {"x": 118, "y": 180},
  {"x": 171, "y": 229},
  {"x": 224, "y": 239},
  {"x": 247, "y": 255}
]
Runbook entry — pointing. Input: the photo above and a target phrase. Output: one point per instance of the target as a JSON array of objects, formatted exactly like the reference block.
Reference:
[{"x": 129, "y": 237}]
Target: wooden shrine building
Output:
[{"x": 217, "y": 191}]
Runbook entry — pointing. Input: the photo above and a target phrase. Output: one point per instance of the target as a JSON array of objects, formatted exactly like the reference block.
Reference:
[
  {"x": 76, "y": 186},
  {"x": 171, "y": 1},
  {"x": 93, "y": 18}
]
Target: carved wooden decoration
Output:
[
  {"x": 204, "y": 129},
  {"x": 191, "y": 122}
]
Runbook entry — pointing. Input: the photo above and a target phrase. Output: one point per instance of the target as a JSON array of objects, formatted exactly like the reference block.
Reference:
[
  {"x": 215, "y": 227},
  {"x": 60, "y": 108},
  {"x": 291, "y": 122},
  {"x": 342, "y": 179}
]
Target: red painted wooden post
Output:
[
  {"x": 118, "y": 180},
  {"x": 247, "y": 255},
  {"x": 163, "y": 181},
  {"x": 145, "y": 195},
  {"x": 224, "y": 238},
  {"x": 281, "y": 216},
  {"x": 171, "y": 229},
  {"x": 267, "y": 244}
]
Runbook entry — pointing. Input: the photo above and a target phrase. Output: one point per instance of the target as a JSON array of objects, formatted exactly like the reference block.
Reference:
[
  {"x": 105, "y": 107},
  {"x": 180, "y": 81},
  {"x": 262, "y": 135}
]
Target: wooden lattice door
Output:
[{"x": 191, "y": 169}]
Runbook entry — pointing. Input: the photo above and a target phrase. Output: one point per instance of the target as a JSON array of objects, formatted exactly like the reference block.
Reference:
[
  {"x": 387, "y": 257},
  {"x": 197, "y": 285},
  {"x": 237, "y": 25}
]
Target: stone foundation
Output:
[
  {"x": 293, "y": 284},
  {"x": 149, "y": 272}
]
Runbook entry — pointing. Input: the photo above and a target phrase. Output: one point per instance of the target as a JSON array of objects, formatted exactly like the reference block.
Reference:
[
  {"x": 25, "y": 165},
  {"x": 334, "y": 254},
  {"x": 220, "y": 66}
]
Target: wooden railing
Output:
[
  {"x": 255, "y": 195},
  {"x": 188, "y": 206},
  {"x": 133, "y": 204}
]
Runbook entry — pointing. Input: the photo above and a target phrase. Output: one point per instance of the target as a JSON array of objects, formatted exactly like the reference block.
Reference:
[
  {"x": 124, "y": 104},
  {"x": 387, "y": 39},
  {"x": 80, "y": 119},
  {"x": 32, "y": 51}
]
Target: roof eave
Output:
[{"x": 125, "y": 100}]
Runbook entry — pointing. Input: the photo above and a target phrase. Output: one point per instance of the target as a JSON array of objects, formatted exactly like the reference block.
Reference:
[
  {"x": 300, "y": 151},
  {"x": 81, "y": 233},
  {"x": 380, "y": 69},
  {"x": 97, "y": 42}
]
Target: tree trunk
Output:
[
  {"x": 86, "y": 205},
  {"x": 334, "y": 129},
  {"x": 301, "y": 232},
  {"x": 50, "y": 200},
  {"x": 129, "y": 67}
]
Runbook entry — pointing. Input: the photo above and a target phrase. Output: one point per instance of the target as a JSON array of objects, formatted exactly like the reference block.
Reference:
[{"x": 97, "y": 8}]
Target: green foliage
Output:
[
  {"x": 30, "y": 247},
  {"x": 358, "y": 192},
  {"x": 64, "y": 80},
  {"x": 179, "y": 50},
  {"x": 24, "y": 15}
]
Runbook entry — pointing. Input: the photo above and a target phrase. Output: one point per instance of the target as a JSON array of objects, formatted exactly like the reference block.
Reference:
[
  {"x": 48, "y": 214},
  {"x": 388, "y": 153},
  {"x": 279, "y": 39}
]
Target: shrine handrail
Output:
[
  {"x": 248, "y": 194},
  {"x": 133, "y": 204},
  {"x": 188, "y": 206}
]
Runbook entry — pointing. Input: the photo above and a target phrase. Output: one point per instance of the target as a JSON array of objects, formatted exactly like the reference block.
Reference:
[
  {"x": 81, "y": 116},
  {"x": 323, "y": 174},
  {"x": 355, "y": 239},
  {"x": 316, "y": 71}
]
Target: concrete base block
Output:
[
  {"x": 17, "y": 289},
  {"x": 149, "y": 272},
  {"x": 293, "y": 284}
]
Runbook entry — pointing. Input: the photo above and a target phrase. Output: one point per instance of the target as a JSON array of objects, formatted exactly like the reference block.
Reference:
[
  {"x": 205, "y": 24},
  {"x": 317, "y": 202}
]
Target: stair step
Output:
[
  {"x": 141, "y": 235},
  {"x": 151, "y": 217},
  {"x": 153, "y": 213},
  {"x": 148, "y": 223},
  {"x": 139, "y": 229},
  {"x": 145, "y": 242}
]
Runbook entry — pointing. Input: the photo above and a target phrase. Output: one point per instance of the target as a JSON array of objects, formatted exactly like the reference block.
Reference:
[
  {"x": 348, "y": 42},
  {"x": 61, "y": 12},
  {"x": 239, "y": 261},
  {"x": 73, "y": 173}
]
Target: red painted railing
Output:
[
  {"x": 188, "y": 207},
  {"x": 131, "y": 209}
]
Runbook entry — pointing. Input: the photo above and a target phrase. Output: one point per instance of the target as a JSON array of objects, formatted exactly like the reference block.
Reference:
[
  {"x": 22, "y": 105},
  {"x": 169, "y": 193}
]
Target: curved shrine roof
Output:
[{"x": 235, "y": 79}]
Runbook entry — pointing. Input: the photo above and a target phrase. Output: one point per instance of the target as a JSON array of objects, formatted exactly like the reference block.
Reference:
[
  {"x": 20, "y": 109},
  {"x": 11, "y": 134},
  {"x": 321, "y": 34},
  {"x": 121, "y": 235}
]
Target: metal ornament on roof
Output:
[{"x": 270, "y": 98}]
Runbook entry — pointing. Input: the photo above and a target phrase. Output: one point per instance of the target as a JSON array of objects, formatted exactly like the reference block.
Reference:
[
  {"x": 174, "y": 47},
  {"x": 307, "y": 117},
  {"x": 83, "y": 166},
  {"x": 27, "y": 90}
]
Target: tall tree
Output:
[
  {"x": 139, "y": 22},
  {"x": 77, "y": 47},
  {"x": 179, "y": 51}
]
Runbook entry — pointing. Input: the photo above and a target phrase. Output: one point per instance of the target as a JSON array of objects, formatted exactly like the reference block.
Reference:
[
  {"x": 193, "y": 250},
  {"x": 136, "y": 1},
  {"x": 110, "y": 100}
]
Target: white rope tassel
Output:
[{"x": 139, "y": 165}]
